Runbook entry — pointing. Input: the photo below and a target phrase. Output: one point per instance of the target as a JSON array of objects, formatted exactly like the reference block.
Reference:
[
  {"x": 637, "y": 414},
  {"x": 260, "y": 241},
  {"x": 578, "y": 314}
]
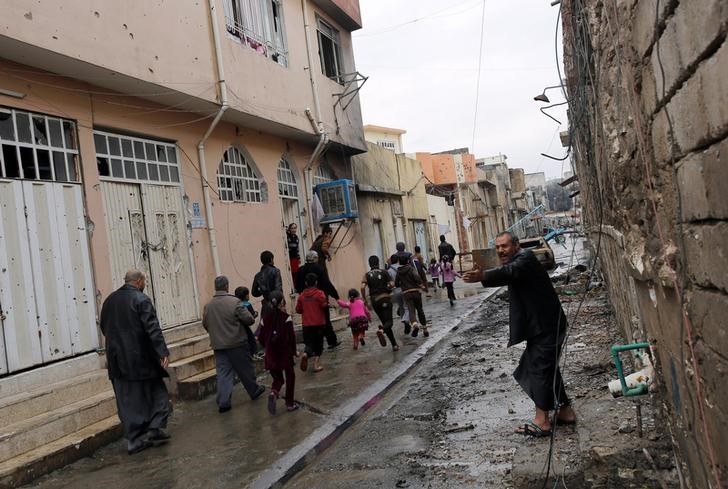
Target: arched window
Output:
[
  {"x": 237, "y": 181},
  {"x": 286, "y": 180},
  {"x": 323, "y": 174}
]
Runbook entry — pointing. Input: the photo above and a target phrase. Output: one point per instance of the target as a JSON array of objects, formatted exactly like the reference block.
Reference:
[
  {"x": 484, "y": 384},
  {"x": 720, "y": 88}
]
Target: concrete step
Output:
[
  {"x": 14, "y": 409},
  {"x": 198, "y": 386},
  {"x": 190, "y": 366},
  {"x": 205, "y": 383},
  {"x": 32, "y": 464},
  {"x": 188, "y": 347},
  {"x": 34, "y": 432},
  {"x": 56, "y": 372},
  {"x": 183, "y": 332}
]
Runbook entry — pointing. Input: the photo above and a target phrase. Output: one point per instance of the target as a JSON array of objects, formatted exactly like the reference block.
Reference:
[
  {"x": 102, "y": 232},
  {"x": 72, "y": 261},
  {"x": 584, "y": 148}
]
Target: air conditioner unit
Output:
[{"x": 338, "y": 199}]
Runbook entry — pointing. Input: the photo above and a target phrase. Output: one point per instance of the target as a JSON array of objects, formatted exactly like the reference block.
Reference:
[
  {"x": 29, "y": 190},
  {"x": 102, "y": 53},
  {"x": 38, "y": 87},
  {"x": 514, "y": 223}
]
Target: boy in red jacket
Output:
[{"x": 312, "y": 305}]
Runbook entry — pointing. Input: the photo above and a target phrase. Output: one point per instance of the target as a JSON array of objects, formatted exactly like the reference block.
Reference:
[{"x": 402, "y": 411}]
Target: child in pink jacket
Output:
[
  {"x": 448, "y": 278},
  {"x": 359, "y": 317}
]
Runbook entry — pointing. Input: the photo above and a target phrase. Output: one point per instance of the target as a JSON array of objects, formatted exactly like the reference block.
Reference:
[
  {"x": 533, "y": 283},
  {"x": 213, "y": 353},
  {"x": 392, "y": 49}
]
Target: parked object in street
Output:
[
  {"x": 137, "y": 358},
  {"x": 228, "y": 324},
  {"x": 540, "y": 247}
]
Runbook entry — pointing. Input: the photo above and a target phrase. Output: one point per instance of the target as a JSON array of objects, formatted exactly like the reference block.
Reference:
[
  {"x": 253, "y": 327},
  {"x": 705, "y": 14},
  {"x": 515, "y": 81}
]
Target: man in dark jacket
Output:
[
  {"x": 410, "y": 282},
  {"x": 536, "y": 317},
  {"x": 445, "y": 248},
  {"x": 322, "y": 282},
  {"x": 228, "y": 324},
  {"x": 267, "y": 280},
  {"x": 136, "y": 356}
]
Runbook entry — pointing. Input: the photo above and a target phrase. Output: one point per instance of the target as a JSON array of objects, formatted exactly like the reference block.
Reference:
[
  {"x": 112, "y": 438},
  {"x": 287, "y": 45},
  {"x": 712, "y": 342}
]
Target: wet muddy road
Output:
[{"x": 449, "y": 424}]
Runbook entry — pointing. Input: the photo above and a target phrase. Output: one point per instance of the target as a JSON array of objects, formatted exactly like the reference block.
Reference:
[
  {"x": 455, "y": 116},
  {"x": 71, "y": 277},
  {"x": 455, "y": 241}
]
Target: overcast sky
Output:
[{"x": 421, "y": 57}]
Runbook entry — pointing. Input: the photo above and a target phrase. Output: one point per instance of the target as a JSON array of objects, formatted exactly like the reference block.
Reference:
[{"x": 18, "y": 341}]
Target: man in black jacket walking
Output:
[
  {"x": 536, "y": 317},
  {"x": 137, "y": 357},
  {"x": 445, "y": 248},
  {"x": 266, "y": 281}
]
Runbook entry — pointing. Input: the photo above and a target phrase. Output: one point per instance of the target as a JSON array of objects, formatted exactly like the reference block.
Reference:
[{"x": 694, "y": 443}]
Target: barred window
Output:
[
  {"x": 286, "y": 180},
  {"x": 236, "y": 179},
  {"x": 37, "y": 147},
  {"x": 137, "y": 159},
  {"x": 323, "y": 174},
  {"x": 259, "y": 25}
]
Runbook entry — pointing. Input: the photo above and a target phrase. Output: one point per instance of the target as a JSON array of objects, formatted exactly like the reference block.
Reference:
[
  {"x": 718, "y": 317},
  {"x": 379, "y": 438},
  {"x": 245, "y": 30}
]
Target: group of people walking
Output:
[{"x": 138, "y": 356}]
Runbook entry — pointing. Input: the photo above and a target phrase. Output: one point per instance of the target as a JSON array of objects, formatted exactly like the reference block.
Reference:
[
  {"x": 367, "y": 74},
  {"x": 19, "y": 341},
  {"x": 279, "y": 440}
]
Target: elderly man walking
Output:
[
  {"x": 536, "y": 317},
  {"x": 136, "y": 359},
  {"x": 228, "y": 324}
]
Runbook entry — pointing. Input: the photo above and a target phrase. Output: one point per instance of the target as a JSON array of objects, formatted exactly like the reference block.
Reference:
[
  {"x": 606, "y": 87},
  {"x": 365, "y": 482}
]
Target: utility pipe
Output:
[
  {"x": 314, "y": 88},
  {"x": 201, "y": 145},
  {"x": 317, "y": 124}
]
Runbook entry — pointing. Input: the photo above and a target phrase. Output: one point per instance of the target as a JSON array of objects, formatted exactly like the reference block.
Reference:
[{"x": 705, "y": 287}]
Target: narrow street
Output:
[
  {"x": 451, "y": 423},
  {"x": 174, "y": 173},
  {"x": 211, "y": 450}
]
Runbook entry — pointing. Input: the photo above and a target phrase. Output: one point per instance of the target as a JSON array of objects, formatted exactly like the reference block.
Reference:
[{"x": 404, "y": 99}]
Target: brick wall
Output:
[{"x": 648, "y": 89}]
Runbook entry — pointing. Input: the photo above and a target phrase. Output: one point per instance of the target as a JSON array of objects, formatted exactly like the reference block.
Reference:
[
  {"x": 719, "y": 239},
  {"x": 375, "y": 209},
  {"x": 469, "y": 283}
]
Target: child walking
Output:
[
  {"x": 435, "y": 272},
  {"x": 448, "y": 278},
  {"x": 359, "y": 317},
  {"x": 279, "y": 340},
  {"x": 312, "y": 305}
]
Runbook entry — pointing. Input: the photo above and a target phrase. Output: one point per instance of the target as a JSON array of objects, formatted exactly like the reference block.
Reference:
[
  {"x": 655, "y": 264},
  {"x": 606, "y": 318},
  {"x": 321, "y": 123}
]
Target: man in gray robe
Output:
[
  {"x": 137, "y": 357},
  {"x": 536, "y": 317}
]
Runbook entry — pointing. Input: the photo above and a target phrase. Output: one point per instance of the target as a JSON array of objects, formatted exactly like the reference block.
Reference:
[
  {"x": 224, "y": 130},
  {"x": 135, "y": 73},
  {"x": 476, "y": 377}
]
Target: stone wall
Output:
[{"x": 647, "y": 82}]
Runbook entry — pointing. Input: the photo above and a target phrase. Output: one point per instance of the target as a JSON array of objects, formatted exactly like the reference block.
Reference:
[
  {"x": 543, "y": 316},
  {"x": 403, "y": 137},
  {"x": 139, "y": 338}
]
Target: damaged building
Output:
[{"x": 647, "y": 95}]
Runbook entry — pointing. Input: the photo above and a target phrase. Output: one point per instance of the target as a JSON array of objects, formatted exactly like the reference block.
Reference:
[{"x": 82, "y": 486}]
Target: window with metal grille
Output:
[
  {"x": 386, "y": 144},
  {"x": 329, "y": 51},
  {"x": 121, "y": 157},
  {"x": 236, "y": 179},
  {"x": 37, "y": 147},
  {"x": 323, "y": 174},
  {"x": 259, "y": 25},
  {"x": 286, "y": 180}
]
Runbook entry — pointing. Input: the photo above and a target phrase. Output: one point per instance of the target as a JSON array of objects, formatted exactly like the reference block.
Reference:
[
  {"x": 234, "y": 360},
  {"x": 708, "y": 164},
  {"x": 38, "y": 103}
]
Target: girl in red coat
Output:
[{"x": 279, "y": 340}]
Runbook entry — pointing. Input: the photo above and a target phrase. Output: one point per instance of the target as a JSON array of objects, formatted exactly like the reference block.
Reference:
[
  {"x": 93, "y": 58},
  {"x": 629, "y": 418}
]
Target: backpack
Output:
[{"x": 378, "y": 282}]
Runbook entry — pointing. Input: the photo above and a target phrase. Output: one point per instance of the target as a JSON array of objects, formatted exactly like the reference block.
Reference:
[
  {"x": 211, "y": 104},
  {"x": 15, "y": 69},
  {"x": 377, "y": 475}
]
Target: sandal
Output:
[
  {"x": 292, "y": 407},
  {"x": 532, "y": 429},
  {"x": 304, "y": 362},
  {"x": 317, "y": 369}
]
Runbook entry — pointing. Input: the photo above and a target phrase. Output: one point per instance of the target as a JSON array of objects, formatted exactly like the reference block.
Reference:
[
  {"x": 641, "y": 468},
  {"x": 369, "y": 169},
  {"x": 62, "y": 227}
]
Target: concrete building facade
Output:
[
  {"x": 647, "y": 101},
  {"x": 182, "y": 151},
  {"x": 386, "y": 137},
  {"x": 392, "y": 202}
]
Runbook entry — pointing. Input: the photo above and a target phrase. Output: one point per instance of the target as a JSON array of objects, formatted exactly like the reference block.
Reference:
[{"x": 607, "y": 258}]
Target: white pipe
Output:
[
  {"x": 311, "y": 76},
  {"x": 317, "y": 124},
  {"x": 201, "y": 145}
]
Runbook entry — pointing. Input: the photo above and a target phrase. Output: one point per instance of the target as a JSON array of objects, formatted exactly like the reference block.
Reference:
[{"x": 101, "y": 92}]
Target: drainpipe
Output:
[
  {"x": 201, "y": 145},
  {"x": 317, "y": 124},
  {"x": 307, "y": 181}
]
